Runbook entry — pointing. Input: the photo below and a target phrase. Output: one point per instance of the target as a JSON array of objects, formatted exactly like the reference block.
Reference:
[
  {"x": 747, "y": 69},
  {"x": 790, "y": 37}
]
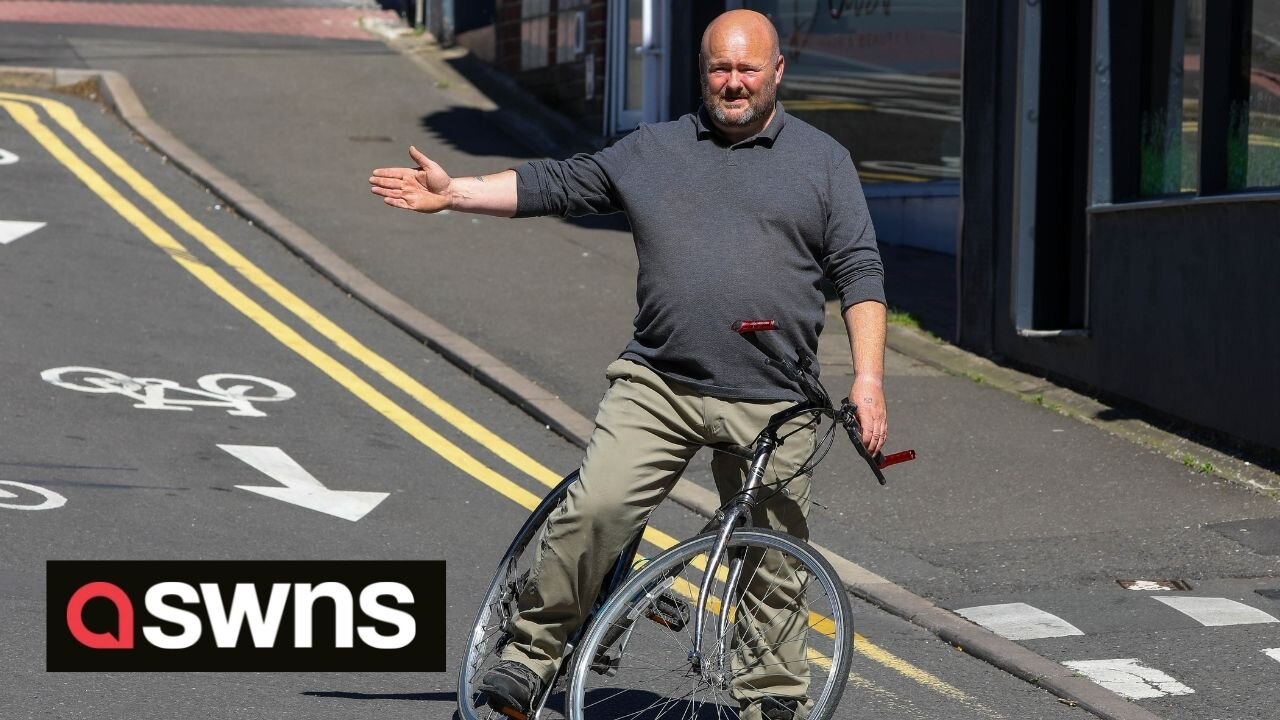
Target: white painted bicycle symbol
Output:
[
  {"x": 236, "y": 393},
  {"x": 49, "y": 500}
]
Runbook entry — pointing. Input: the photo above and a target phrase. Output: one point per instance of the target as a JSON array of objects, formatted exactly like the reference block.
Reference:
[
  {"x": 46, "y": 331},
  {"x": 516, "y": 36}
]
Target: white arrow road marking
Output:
[
  {"x": 1212, "y": 611},
  {"x": 7, "y": 158},
  {"x": 1129, "y": 678},
  {"x": 1019, "y": 621},
  {"x": 11, "y": 230},
  {"x": 1273, "y": 653},
  {"x": 52, "y": 500},
  {"x": 300, "y": 488}
]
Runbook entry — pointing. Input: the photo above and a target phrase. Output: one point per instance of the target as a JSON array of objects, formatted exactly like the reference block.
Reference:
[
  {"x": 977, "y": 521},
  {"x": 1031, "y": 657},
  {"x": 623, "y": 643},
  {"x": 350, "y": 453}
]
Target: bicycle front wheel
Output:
[
  {"x": 489, "y": 634},
  {"x": 776, "y": 644}
]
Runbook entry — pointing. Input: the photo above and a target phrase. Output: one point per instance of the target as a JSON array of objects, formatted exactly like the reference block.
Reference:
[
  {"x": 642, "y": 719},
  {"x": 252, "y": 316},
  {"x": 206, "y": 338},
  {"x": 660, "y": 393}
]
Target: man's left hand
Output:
[{"x": 868, "y": 395}]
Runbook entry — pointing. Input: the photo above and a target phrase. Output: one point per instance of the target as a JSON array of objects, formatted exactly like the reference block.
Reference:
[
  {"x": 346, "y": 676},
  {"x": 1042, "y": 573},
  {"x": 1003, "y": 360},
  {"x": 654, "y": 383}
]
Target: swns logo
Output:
[{"x": 226, "y": 616}]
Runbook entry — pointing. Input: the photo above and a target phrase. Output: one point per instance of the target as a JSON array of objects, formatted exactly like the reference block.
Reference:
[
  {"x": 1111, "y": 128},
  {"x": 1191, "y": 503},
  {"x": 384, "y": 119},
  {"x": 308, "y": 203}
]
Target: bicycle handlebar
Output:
[
  {"x": 847, "y": 416},
  {"x": 798, "y": 372}
]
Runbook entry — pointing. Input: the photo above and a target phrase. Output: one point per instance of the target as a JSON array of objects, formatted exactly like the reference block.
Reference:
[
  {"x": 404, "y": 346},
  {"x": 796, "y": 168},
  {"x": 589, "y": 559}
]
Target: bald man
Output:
[{"x": 737, "y": 212}]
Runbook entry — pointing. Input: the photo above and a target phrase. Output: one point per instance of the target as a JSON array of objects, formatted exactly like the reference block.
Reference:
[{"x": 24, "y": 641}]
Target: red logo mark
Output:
[{"x": 123, "y": 639}]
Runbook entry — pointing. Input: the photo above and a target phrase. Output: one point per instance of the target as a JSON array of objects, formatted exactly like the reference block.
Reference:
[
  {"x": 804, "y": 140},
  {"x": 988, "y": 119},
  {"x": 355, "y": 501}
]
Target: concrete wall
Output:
[
  {"x": 919, "y": 215},
  {"x": 1184, "y": 315}
]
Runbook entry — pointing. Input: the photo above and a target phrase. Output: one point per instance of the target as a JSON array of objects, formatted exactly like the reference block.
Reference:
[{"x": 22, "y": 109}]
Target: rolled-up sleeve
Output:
[
  {"x": 851, "y": 260},
  {"x": 585, "y": 184}
]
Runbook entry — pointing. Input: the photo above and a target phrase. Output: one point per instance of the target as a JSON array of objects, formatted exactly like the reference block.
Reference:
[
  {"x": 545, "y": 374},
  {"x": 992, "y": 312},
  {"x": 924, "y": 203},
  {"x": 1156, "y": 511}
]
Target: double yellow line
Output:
[{"x": 22, "y": 108}]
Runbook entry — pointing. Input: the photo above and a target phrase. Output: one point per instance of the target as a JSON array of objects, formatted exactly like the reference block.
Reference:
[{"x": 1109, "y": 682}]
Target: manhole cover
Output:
[
  {"x": 1261, "y": 536},
  {"x": 1154, "y": 585}
]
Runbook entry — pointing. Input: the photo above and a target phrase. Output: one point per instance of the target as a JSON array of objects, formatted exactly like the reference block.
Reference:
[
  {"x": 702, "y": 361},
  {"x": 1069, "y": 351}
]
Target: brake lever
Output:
[
  {"x": 785, "y": 367},
  {"x": 849, "y": 419}
]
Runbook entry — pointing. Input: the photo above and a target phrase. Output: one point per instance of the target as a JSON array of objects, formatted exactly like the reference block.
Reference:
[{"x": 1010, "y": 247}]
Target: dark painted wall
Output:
[
  {"x": 472, "y": 14},
  {"x": 1185, "y": 316}
]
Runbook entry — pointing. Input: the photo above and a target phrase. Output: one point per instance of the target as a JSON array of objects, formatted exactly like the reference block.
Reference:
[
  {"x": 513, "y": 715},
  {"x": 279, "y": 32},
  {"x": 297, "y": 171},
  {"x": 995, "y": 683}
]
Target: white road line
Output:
[
  {"x": 1019, "y": 621},
  {"x": 11, "y": 230},
  {"x": 1273, "y": 653},
  {"x": 1129, "y": 678},
  {"x": 1211, "y": 611}
]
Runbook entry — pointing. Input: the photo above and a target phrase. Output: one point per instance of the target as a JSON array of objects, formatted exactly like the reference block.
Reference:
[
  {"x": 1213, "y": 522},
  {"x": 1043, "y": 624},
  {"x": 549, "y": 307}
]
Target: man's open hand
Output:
[{"x": 425, "y": 189}]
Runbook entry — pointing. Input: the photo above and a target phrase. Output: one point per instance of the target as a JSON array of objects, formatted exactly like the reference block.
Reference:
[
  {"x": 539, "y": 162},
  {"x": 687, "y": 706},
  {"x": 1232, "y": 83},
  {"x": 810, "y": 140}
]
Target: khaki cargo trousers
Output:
[{"x": 647, "y": 431}]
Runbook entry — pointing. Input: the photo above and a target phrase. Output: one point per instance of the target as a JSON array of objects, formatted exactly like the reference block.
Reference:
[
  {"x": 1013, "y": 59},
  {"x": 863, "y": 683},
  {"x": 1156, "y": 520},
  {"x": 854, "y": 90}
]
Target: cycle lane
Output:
[
  {"x": 192, "y": 342},
  {"x": 89, "y": 290}
]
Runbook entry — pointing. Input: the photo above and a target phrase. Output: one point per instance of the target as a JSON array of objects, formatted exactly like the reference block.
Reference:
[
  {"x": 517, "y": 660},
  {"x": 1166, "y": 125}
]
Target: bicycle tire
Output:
[
  {"x": 487, "y": 634},
  {"x": 825, "y": 639}
]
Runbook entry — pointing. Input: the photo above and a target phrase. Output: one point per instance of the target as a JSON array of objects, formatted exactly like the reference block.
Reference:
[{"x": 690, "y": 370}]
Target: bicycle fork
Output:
[{"x": 737, "y": 515}]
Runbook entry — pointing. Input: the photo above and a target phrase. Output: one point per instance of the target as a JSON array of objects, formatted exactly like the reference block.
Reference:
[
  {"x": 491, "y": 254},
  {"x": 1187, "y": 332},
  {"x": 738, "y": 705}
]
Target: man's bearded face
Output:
[{"x": 739, "y": 96}]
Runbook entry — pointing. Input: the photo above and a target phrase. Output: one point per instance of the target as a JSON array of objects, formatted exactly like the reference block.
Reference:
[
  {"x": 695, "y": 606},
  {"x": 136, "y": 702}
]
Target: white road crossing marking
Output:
[
  {"x": 1019, "y": 621},
  {"x": 1273, "y": 653},
  {"x": 11, "y": 230},
  {"x": 300, "y": 487},
  {"x": 7, "y": 158},
  {"x": 51, "y": 500},
  {"x": 1215, "y": 611},
  {"x": 1129, "y": 678}
]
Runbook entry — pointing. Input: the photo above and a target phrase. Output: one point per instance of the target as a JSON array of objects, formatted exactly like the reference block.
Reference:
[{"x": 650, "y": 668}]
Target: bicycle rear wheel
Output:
[
  {"x": 490, "y": 632},
  {"x": 787, "y": 641}
]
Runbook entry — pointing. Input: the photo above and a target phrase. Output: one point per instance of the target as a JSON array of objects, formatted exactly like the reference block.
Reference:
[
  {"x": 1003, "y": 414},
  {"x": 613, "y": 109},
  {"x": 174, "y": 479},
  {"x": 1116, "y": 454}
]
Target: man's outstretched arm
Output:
[{"x": 429, "y": 189}]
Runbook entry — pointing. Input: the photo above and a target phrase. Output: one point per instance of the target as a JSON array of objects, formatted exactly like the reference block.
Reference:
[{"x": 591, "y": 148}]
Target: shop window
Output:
[
  {"x": 571, "y": 29},
  {"x": 535, "y": 26},
  {"x": 1261, "y": 115},
  {"x": 1170, "y": 121},
  {"x": 880, "y": 76}
]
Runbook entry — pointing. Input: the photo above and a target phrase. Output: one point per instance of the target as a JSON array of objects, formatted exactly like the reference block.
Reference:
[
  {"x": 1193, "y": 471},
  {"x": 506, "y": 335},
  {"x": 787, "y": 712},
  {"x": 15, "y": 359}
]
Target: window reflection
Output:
[
  {"x": 1263, "y": 117},
  {"x": 1170, "y": 147},
  {"x": 880, "y": 76}
]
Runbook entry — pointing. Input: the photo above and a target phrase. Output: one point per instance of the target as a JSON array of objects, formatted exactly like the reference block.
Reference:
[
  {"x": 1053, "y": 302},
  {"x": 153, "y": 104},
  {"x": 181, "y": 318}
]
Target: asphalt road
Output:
[
  {"x": 1008, "y": 503},
  {"x": 111, "y": 289}
]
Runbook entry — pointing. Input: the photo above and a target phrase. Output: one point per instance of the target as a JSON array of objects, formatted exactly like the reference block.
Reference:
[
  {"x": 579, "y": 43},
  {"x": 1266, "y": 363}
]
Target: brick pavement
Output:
[{"x": 316, "y": 22}]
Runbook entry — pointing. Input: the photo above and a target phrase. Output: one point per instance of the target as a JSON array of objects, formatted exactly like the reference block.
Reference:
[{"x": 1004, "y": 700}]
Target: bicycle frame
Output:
[{"x": 737, "y": 514}]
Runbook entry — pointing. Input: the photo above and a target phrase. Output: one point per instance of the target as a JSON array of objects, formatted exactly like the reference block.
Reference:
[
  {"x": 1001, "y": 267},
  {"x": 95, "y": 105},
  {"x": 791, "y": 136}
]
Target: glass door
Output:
[{"x": 638, "y": 36}]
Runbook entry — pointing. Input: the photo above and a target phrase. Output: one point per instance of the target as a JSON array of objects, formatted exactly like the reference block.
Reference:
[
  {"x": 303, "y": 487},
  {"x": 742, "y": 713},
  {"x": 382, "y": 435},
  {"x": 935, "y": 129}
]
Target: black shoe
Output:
[
  {"x": 780, "y": 708},
  {"x": 511, "y": 688}
]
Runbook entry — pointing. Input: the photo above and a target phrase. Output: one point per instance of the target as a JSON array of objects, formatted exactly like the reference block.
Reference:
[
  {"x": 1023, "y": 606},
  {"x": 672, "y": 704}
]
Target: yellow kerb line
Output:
[
  {"x": 27, "y": 118},
  {"x": 66, "y": 117}
]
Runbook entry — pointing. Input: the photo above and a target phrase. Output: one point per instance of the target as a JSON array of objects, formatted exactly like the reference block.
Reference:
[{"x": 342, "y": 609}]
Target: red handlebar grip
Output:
[
  {"x": 898, "y": 457},
  {"x": 743, "y": 327}
]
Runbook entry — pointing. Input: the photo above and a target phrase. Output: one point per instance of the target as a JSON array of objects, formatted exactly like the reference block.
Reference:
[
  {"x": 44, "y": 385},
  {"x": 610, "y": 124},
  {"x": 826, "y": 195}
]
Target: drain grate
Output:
[{"x": 1179, "y": 585}]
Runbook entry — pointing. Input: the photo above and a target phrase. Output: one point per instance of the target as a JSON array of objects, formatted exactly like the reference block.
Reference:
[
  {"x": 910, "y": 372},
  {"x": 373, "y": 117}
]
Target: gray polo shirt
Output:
[{"x": 723, "y": 232}]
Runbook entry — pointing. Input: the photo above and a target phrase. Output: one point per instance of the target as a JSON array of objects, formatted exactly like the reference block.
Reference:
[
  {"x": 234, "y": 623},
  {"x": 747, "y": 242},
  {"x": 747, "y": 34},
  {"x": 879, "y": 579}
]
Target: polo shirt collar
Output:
[{"x": 706, "y": 127}]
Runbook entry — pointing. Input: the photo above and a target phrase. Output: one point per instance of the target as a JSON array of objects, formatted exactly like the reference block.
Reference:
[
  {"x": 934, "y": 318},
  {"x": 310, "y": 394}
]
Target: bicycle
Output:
[{"x": 668, "y": 619}]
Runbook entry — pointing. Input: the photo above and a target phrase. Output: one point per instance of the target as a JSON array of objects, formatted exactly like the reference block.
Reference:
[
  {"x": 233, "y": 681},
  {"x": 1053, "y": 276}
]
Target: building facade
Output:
[
  {"x": 1113, "y": 211},
  {"x": 1121, "y": 196}
]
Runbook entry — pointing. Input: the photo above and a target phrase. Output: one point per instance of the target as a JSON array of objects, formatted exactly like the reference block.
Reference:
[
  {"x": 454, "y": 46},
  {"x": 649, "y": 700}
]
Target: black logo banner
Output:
[{"x": 245, "y": 616}]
